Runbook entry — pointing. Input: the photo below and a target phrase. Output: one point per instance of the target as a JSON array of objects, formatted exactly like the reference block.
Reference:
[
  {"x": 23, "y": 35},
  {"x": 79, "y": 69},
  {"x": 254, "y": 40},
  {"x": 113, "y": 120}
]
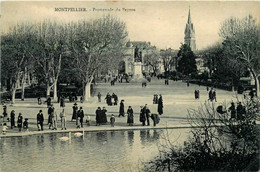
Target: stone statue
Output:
[{"x": 138, "y": 55}]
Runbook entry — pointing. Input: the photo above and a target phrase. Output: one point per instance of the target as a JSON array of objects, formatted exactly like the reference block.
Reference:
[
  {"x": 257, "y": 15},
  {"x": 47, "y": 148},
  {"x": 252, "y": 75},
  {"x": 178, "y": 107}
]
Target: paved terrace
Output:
[{"x": 177, "y": 99}]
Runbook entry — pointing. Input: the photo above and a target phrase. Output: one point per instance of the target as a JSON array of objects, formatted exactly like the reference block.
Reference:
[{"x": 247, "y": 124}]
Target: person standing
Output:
[
  {"x": 211, "y": 94},
  {"x": 25, "y": 124},
  {"x": 160, "y": 105},
  {"x": 121, "y": 109},
  {"x": 5, "y": 115},
  {"x": 214, "y": 95},
  {"x": 98, "y": 116},
  {"x": 62, "y": 102},
  {"x": 99, "y": 97},
  {"x": 232, "y": 109},
  {"x": 40, "y": 120},
  {"x": 81, "y": 116},
  {"x": 112, "y": 120},
  {"x": 103, "y": 116},
  {"x": 48, "y": 101},
  {"x": 54, "y": 121},
  {"x": 142, "y": 116},
  {"x": 20, "y": 121},
  {"x": 63, "y": 119},
  {"x": 147, "y": 114},
  {"x": 74, "y": 113},
  {"x": 130, "y": 116},
  {"x": 155, "y": 119},
  {"x": 114, "y": 96},
  {"x": 50, "y": 115},
  {"x": 12, "y": 115}
]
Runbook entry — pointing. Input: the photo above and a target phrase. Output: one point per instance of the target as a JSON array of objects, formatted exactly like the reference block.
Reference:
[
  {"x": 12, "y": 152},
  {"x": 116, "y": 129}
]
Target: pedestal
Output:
[{"x": 138, "y": 75}]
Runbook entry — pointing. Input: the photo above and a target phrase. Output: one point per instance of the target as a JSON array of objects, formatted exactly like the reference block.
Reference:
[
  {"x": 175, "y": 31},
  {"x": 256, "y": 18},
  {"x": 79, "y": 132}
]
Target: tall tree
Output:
[
  {"x": 151, "y": 59},
  {"x": 50, "y": 47},
  {"x": 187, "y": 62},
  {"x": 15, "y": 47},
  {"x": 167, "y": 57},
  {"x": 241, "y": 41},
  {"x": 92, "y": 43}
]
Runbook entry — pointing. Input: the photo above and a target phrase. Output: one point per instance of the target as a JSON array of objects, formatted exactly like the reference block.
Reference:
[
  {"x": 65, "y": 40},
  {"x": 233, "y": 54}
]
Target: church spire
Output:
[
  {"x": 189, "y": 18},
  {"x": 189, "y": 38}
]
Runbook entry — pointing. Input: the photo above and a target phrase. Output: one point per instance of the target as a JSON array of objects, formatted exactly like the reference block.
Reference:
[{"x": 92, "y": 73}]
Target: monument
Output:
[{"x": 138, "y": 64}]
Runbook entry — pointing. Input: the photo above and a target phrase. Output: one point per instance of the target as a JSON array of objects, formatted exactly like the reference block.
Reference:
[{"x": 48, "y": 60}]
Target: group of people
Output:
[
  {"x": 145, "y": 115},
  {"x": 237, "y": 112},
  {"x": 101, "y": 116},
  {"x": 20, "y": 122},
  {"x": 78, "y": 115},
  {"x": 109, "y": 98}
]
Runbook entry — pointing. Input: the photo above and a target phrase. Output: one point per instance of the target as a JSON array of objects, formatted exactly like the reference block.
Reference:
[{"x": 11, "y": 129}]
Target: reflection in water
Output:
[
  {"x": 112, "y": 133},
  {"x": 143, "y": 136},
  {"x": 130, "y": 137},
  {"x": 98, "y": 151},
  {"x": 101, "y": 137}
]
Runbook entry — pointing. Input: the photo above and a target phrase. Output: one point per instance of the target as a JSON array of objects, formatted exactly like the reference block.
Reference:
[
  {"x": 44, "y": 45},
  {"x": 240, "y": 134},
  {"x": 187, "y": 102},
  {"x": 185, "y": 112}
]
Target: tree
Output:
[
  {"x": 151, "y": 58},
  {"x": 218, "y": 143},
  {"x": 167, "y": 57},
  {"x": 187, "y": 62},
  {"x": 50, "y": 47},
  {"x": 221, "y": 67},
  {"x": 241, "y": 41},
  {"x": 92, "y": 43},
  {"x": 16, "y": 45}
]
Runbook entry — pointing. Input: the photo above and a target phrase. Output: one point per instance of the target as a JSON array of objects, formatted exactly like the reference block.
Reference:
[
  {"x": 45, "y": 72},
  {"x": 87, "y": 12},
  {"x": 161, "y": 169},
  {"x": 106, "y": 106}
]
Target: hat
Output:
[
  {"x": 12, "y": 111},
  {"x": 40, "y": 110},
  {"x": 26, "y": 119},
  {"x": 75, "y": 104}
]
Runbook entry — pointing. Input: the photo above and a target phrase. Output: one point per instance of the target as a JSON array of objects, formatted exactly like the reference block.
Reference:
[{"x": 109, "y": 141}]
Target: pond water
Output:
[{"x": 96, "y": 151}]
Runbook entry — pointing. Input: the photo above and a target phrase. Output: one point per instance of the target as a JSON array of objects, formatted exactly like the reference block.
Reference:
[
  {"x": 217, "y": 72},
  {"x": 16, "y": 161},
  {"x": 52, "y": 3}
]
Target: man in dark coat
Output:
[
  {"x": 130, "y": 116},
  {"x": 121, "y": 109},
  {"x": 62, "y": 101},
  {"x": 99, "y": 97},
  {"x": 142, "y": 116},
  {"x": 12, "y": 115},
  {"x": 50, "y": 115},
  {"x": 147, "y": 114},
  {"x": 160, "y": 105},
  {"x": 240, "y": 111},
  {"x": 48, "y": 101},
  {"x": 155, "y": 119},
  {"x": 40, "y": 120},
  {"x": 20, "y": 121},
  {"x": 214, "y": 95},
  {"x": 75, "y": 110},
  {"x": 232, "y": 109},
  {"x": 108, "y": 99},
  {"x": 81, "y": 116},
  {"x": 98, "y": 116},
  {"x": 103, "y": 116},
  {"x": 211, "y": 95},
  {"x": 114, "y": 96}
]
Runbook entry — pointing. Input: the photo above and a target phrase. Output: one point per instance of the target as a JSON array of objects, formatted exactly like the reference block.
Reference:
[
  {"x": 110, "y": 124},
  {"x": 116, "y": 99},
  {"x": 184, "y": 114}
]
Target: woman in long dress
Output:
[
  {"x": 121, "y": 109},
  {"x": 130, "y": 116}
]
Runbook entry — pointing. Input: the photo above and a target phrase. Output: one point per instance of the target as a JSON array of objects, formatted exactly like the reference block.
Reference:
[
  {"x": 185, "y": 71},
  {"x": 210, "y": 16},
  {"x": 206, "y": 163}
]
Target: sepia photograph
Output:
[{"x": 129, "y": 86}]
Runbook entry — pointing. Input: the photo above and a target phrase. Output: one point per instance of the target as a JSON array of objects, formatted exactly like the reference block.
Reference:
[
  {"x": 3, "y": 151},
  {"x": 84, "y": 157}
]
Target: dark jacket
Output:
[{"x": 40, "y": 117}]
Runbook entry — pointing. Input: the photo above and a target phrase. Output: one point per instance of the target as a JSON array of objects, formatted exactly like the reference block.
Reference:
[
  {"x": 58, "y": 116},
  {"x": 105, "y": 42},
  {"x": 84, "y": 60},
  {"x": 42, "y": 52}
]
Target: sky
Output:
[{"x": 160, "y": 22}]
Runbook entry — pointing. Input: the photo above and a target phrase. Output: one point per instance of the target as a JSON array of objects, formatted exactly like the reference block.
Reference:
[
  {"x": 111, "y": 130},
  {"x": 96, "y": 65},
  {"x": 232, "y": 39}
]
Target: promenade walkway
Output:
[{"x": 177, "y": 99}]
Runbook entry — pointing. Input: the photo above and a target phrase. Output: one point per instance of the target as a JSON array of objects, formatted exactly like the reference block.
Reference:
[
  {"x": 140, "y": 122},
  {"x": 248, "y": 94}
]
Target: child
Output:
[
  {"x": 112, "y": 120},
  {"x": 25, "y": 124},
  {"x": 88, "y": 120},
  {"x": 4, "y": 129}
]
